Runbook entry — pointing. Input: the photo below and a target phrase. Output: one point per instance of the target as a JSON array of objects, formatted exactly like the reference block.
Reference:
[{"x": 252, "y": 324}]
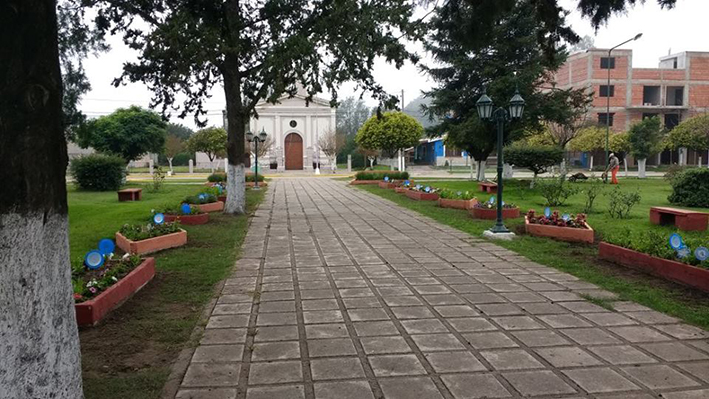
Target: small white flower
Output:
[
  {"x": 125, "y": 256},
  {"x": 114, "y": 278}
]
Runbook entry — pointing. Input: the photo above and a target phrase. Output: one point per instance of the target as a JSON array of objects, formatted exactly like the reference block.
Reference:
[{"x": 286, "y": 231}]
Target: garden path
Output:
[{"x": 341, "y": 294}]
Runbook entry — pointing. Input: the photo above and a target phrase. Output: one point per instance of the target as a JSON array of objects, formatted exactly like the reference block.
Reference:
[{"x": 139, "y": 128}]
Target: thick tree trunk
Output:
[
  {"x": 237, "y": 118},
  {"x": 472, "y": 161},
  {"x": 39, "y": 342},
  {"x": 625, "y": 164},
  {"x": 481, "y": 170},
  {"x": 641, "y": 168}
]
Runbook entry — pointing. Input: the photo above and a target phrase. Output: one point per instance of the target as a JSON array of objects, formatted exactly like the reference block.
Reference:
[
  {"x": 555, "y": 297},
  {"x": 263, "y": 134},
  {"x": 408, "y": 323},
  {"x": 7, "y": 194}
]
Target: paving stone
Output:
[
  {"x": 207, "y": 393},
  {"x": 275, "y": 319},
  {"x": 359, "y": 303},
  {"x": 674, "y": 352},
  {"x": 424, "y": 326},
  {"x": 275, "y": 351},
  {"x": 484, "y": 298},
  {"x": 343, "y": 390},
  {"x": 608, "y": 319},
  {"x": 407, "y": 388},
  {"x": 212, "y": 374},
  {"x": 622, "y": 354},
  {"x": 276, "y": 333},
  {"x": 228, "y": 321},
  {"x": 639, "y": 334},
  {"x": 380, "y": 345},
  {"x": 336, "y": 368},
  {"x": 537, "y": 338},
  {"x": 600, "y": 380},
  {"x": 367, "y": 314},
  {"x": 582, "y": 307},
  {"x": 218, "y": 353},
  {"x": 412, "y": 312},
  {"x": 322, "y": 316},
  {"x": 699, "y": 370},
  {"x": 375, "y": 328},
  {"x": 335, "y": 330},
  {"x": 517, "y": 323},
  {"x": 402, "y": 301},
  {"x": 659, "y": 377},
  {"x": 223, "y": 336},
  {"x": 437, "y": 342},
  {"x": 568, "y": 356},
  {"x": 539, "y": 308},
  {"x": 275, "y": 372},
  {"x": 652, "y": 317},
  {"x": 456, "y": 311},
  {"x": 277, "y": 392},
  {"x": 489, "y": 340},
  {"x": 474, "y": 386},
  {"x": 499, "y": 309},
  {"x": 538, "y": 383},
  {"x": 590, "y": 336},
  {"x": 511, "y": 359},
  {"x": 232, "y": 308},
  {"x": 564, "y": 321},
  {"x": 694, "y": 394},
  {"x": 475, "y": 324},
  {"x": 683, "y": 331},
  {"x": 393, "y": 365},
  {"x": 331, "y": 347},
  {"x": 453, "y": 362}
]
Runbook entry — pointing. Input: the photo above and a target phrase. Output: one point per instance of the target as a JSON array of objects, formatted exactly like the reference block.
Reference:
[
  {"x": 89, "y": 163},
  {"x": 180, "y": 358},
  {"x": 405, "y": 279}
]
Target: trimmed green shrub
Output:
[
  {"x": 98, "y": 172},
  {"x": 206, "y": 198},
  {"x": 137, "y": 232},
  {"x": 250, "y": 178},
  {"x": 691, "y": 188},
  {"x": 379, "y": 175},
  {"x": 537, "y": 158},
  {"x": 216, "y": 177}
]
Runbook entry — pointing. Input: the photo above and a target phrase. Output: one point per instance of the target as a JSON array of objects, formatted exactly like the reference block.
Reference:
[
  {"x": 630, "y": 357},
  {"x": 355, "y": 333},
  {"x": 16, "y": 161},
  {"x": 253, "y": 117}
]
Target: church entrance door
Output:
[{"x": 294, "y": 152}]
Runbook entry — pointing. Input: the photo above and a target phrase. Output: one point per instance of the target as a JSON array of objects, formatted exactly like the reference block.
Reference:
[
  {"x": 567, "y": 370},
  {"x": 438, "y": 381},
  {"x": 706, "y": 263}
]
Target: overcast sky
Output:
[{"x": 663, "y": 31}]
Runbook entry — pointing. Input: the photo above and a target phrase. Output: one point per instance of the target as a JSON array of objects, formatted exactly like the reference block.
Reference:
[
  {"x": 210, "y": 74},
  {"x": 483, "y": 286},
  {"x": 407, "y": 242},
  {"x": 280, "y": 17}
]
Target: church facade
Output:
[{"x": 294, "y": 128}]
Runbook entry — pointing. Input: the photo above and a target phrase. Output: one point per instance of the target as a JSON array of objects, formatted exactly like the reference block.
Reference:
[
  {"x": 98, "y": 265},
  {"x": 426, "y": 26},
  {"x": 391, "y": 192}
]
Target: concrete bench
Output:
[
  {"x": 130, "y": 194},
  {"x": 486, "y": 187},
  {"x": 683, "y": 219}
]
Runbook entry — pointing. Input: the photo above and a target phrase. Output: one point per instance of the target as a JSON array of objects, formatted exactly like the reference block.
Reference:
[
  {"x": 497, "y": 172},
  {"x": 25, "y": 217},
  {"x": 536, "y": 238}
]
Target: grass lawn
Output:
[
  {"x": 579, "y": 259},
  {"x": 129, "y": 355}
]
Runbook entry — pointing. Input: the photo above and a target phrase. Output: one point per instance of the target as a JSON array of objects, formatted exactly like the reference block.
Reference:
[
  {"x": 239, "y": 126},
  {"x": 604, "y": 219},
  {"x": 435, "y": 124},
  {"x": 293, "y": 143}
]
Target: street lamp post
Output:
[
  {"x": 260, "y": 138},
  {"x": 608, "y": 98},
  {"x": 500, "y": 116}
]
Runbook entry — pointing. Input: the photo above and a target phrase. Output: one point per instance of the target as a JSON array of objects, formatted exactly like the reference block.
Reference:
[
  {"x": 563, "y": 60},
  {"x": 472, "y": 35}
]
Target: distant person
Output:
[{"x": 613, "y": 167}]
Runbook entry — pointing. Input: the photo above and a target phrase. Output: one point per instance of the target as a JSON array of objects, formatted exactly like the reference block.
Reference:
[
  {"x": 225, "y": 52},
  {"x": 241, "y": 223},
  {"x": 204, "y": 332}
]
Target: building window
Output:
[
  {"x": 607, "y": 62},
  {"x": 603, "y": 117},
  {"x": 606, "y": 91}
]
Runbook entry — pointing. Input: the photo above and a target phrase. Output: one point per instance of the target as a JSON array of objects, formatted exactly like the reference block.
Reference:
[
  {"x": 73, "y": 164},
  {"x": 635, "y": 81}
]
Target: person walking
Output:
[{"x": 613, "y": 167}]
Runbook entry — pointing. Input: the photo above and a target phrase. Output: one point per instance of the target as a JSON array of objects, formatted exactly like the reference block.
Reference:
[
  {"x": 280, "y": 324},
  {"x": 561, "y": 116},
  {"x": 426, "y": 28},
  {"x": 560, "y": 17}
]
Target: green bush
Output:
[
  {"x": 655, "y": 243},
  {"x": 207, "y": 198},
  {"x": 620, "y": 204},
  {"x": 98, "y": 172},
  {"x": 691, "y": 188},
  {"x": 453, "y": 194},
  {"x": 379, "y": 175},
  {"x": 592, "y": 189},
  {"x": 250, "y": 178},
  {"x": 137, "y": 232},
  {"x": 537, "y": 158},
  {"x": 216, "y": 177},
  {"x": 556, "y": 190}
]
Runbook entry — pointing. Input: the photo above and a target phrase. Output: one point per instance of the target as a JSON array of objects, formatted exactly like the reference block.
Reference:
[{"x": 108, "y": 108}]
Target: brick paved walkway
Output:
[{"x": 341, "y": 294}]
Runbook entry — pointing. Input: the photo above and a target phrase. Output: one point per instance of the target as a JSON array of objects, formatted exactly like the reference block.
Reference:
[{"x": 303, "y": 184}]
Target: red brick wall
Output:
[
  {"x": 561, "y": 77},
  {"x": 620, "y": 71},
  {"x": 699, "y": 68},
  {"x": 698, "y": 95},
  {"x": 579, "y": 70},
  {"x": 642, "y": 73},
  {"x": 618, "y": 99}
]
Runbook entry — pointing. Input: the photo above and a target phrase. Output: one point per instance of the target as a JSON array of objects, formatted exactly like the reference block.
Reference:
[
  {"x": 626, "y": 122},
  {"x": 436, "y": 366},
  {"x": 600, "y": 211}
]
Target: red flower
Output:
[{"x": 77, "y": 296}]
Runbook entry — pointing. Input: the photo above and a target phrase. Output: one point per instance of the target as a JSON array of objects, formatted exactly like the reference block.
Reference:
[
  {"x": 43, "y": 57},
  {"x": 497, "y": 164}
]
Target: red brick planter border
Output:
[
  {"x": 154, "y": 244},
  {"x": 457, "y": 203},
  {"x": 200, "y": 218},
  {"x": 669, "y": 269},
  {"x": 570, "y": 234},
  {"x": 387, "y": 185},
  {"x": 211, "y": 207},
  {"x": 90, "y": 312},
  {"x": 222, "y": 198},
  {"x": 421, "y": 196},
  {"x": 360, "y": 182},
  {"x": 401, "y": 190},
  {"x": 491, "y": 214}
]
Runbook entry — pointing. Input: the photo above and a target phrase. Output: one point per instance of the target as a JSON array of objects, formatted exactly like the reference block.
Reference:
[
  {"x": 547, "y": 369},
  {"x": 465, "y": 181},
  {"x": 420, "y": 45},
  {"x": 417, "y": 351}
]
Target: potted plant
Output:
[
  {"x": 566, "y": 227},
  {"x": 422, "y": 193},
  {"x": 456, "y": 199},
  {"x": 185, "y": 214},
  {"x": 206, "y": 200},
  {"x": 488, "y": 210},
  {"x": 99, "y": 291},
  {"x": 151, "y": 237}
]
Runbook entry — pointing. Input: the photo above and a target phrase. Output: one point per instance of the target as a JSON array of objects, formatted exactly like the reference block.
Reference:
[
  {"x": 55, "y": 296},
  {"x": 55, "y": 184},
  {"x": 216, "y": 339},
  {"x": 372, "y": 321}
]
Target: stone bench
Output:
[
  {"x": 486, "y": 187},
  {"x": 130, "y": 194},
  {"x": 683, "y": 219}
]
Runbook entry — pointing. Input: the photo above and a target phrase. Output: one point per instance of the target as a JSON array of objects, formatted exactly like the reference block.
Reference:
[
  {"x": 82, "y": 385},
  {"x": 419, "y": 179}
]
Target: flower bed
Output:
[
  {"x": 571, "y": 228},
  {"x": 206, "y": 201},
  {"x": 421, "y": 193},
  {"x": 192, "y": 219},
  {"x": 488, "y": 211},
  {"x": 456, "y": 199},
  {"x": 361, "y": 182},
  {"x": 378, "y": 176},
  {"x": 669, "y": 269},
  {"x": 388, "y": 185},
  {"x": 401, "y": 189},
  {"x": 90, "y": 310},
  {"x": 138, "y": 239}
]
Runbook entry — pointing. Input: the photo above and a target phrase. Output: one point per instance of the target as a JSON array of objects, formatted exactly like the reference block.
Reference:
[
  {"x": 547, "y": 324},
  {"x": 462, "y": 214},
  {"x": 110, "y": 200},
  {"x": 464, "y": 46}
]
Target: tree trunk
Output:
[
  {"x": 237, "y": 118},
  {"x": 472, "y": 161},
  {"x": 481, "y": 170},
  {"x": 641, "y": 168},
  {"x": 39, "y": 355},
  {"x": 169, "y": 161},
  {"x": 590, "y": 168},
  {"x": 625, "y": 164}
]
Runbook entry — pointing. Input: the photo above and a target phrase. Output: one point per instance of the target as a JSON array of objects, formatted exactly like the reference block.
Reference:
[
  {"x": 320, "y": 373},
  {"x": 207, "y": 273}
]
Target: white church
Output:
[{"x": 294, "y": 127}]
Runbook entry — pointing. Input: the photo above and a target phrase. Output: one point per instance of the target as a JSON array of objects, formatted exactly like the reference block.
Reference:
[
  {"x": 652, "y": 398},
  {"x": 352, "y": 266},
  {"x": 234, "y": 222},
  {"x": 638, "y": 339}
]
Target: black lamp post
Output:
[
  {"x": 260, "y": 138},
  {"x": 500, "y": 116}
]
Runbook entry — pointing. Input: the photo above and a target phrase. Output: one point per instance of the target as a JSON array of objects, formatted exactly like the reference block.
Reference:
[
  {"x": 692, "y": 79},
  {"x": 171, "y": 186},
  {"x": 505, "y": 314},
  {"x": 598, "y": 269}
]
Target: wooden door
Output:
[{"x": 294, "y": 152}]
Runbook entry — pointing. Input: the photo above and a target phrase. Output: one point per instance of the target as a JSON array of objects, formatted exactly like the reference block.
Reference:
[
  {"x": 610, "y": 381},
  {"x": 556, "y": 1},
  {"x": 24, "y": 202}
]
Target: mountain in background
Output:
[{"x": 413, "y": 109}]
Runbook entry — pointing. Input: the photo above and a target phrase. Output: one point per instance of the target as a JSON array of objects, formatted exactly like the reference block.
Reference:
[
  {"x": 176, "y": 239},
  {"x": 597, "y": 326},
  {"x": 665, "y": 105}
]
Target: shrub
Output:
[
  {"x": 592, "y": 190},
  {"x": 137, "y": 232},
  {"x": 250, "y": 178},
  {"x": 556, "y": 190},
  {"x": 460, "y": 195},
  {"x": 622, "y": 203},
  {"x": 379, "y": 175},
  {"x": 216, "y": 177},
  {"x": 655, "y": 243},
  {"x": 176, "y": 209},
  {"x": 691, "y": 188},
  {"x": 202, "y": 198},
  {"x": 537, "y": 158},
  {"x": 158, "y": 180},
  {"x": 674, "y": 171},
  {"x": 98, "y": 172}
]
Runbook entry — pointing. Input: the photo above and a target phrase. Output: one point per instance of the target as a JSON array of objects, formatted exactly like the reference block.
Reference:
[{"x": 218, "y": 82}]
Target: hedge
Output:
[
  {"x": 691, "y": 188},
  {"x": 98, "y": 172},
  {"x": 379, "y": 175}
]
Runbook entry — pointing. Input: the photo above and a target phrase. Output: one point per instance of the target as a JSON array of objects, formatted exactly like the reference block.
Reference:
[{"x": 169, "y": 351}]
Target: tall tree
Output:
[
  {"x": 259, "y": 50},
  {"x": 646, "y": 138},
  {"x": 330, "y": 143},
  {"x": 129, "y": 132},
  {"x": 173, "y": 146},
  {"x": 692, "y": 133},
  {"x": 351, "y": 115},
  {"x": 391, "y": 132},
  {"x": 511, "y": 59},
  {"x": 211, "y": 141},
  {"x": 40, "y": 343},
  {"x": 179, "y": 130}
]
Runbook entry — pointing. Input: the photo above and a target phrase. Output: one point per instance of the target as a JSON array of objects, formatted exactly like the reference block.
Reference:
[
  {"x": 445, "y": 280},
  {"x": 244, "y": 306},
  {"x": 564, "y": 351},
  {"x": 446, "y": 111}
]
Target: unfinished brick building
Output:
[{"x": 676, "y": 90}]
